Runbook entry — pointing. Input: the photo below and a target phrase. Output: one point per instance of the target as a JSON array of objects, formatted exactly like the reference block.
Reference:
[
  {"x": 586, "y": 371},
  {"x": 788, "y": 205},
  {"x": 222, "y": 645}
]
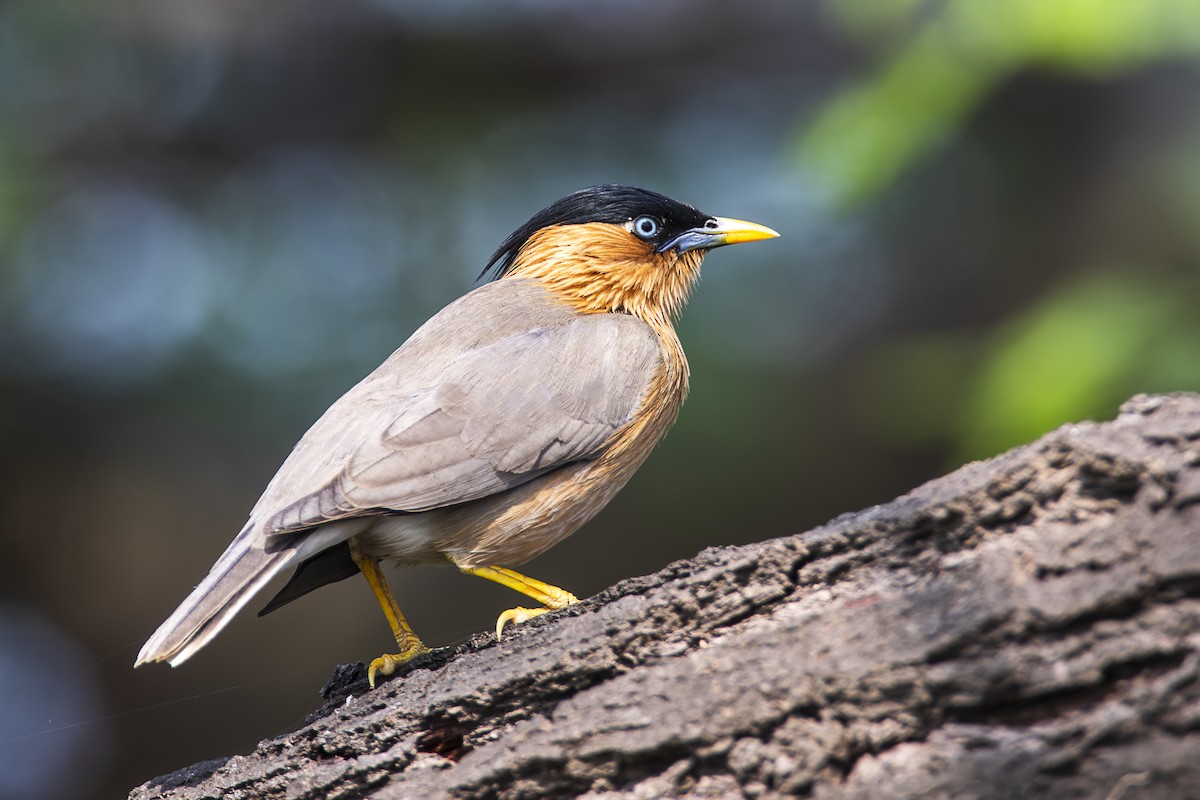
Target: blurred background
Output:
[{"x": 216, "y": 217}]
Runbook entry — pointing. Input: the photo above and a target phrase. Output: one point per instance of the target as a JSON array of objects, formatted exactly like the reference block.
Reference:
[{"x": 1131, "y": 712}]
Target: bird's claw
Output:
[
  {"x": 516, "y": 616},
  {"x": 386, "y": 664}
]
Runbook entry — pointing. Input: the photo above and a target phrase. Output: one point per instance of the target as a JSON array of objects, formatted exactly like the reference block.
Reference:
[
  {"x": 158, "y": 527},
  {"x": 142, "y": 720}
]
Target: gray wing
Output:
[{"x": 495, "y": 416}]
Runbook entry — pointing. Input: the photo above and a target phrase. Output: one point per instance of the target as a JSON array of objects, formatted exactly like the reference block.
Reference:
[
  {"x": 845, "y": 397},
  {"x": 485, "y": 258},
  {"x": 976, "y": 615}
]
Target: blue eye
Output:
[{"x": 646, "y": 227}]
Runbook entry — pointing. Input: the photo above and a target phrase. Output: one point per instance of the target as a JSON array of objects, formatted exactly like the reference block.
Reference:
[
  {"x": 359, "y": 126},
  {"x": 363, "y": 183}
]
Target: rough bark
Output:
[{"x": 1027, "y": 626}]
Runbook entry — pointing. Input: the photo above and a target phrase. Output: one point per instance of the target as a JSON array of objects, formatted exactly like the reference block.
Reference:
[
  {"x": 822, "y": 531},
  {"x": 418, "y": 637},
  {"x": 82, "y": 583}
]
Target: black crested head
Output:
[{"x": 611, "y": 203}]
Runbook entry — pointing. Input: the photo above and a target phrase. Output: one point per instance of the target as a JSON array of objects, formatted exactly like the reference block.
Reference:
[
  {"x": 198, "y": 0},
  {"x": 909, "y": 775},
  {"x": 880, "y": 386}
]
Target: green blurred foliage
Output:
[
  {"x": 1078, "y": 349},
  {"x": 950, "y": 54},
  {"x": 1076, "y": 354}
]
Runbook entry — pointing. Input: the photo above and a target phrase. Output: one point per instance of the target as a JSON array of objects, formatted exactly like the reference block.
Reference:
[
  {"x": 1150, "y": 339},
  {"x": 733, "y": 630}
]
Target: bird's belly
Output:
[
  {"x": 505, "y": 529},
  {"x": 403, "y": 538}
]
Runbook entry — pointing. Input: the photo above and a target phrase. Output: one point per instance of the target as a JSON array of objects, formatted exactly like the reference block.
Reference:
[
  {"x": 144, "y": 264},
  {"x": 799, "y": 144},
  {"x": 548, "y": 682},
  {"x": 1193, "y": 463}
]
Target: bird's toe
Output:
[
  {"x": 387, "y": 663},
  {"x": 516, "y": 616}
]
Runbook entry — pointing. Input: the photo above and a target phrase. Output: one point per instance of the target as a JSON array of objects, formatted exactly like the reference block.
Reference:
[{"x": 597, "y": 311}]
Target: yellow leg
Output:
[
  {"x": 410, "y": 645},
  {"x": 552, "y": 597}
]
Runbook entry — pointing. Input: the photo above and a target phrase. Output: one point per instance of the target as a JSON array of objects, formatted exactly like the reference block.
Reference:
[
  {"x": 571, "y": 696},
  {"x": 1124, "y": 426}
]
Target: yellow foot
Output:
[
  {"x": 516, "y": 616},
  {"x": 386, "y": 664},
  {"x": 552, "y": 597}
]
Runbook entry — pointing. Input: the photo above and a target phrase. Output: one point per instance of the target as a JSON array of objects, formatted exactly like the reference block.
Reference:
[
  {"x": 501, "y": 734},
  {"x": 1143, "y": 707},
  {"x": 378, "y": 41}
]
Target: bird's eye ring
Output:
[
  {"x": 711, "y": 223},
  {"x": 646, "y": 227}
]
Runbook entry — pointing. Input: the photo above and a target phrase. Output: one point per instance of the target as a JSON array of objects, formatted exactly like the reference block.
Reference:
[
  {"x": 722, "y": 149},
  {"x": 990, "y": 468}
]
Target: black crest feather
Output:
[{"x": 611, "y": 203}]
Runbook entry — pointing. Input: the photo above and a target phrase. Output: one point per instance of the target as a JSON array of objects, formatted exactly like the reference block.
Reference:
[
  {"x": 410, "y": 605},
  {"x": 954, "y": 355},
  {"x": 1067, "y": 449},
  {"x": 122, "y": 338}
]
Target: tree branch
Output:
[{"x": 1027, "y": 626}]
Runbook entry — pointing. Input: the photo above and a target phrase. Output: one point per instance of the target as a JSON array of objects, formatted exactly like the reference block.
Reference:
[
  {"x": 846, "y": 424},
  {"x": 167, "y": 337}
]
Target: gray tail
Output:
[{"x": 239, "y": 574}]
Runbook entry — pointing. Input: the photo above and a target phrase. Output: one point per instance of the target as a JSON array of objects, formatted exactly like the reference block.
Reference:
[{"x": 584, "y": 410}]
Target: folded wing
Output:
[{"x": 500, "y": 412}]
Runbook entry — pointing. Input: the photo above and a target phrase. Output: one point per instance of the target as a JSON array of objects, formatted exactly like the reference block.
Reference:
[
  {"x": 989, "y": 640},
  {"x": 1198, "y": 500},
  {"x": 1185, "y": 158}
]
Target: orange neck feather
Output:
[{"x": 601, "y": 268}]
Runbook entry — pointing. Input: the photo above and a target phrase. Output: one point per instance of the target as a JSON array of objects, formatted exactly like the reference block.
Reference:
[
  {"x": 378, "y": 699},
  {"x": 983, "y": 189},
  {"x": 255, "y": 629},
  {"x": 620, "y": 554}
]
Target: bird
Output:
[{"x": 503, "y": 424}]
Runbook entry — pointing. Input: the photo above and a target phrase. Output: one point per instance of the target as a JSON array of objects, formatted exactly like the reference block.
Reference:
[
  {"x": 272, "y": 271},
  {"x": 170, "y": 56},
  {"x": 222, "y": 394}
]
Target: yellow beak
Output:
[
  {"x": 736, "y": 231},
  {"x": 717, "y": 232}
]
